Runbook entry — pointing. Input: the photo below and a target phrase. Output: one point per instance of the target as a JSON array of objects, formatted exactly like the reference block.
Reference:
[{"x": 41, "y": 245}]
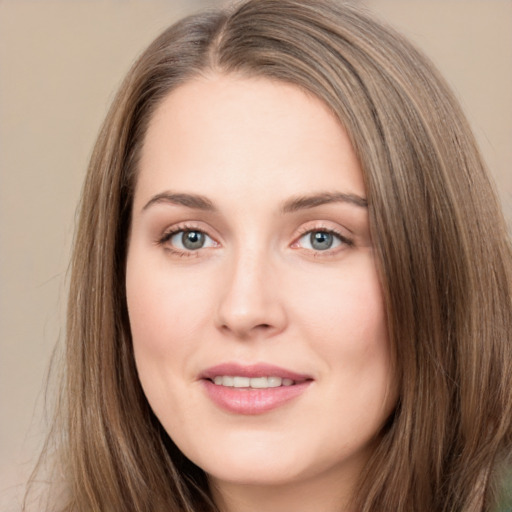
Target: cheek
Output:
[
  {"x": 163, "y": 306},
  {"x": 344, "y": 320},
  {"x": 165, "y": 311},
  {"x": 163, "y": 318},
  {"x": 345, "y": 310}
]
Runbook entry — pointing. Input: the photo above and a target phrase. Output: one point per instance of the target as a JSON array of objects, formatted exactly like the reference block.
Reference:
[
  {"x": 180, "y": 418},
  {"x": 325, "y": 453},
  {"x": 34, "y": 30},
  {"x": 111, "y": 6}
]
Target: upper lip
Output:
[{"x": 252, "y": 370}]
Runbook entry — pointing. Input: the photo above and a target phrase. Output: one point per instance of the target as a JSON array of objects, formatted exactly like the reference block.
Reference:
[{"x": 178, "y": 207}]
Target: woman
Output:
[{"x": 291, "y": 284}]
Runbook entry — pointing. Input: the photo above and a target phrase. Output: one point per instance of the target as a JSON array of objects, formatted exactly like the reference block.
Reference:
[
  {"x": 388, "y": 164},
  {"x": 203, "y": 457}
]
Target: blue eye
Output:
[
  {"x": 321, "y": 240},
  {"x": 190, "y": 240}
]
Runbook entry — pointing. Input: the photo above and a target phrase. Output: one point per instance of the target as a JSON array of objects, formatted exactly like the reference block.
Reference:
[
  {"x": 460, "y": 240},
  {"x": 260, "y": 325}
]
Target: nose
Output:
[{"x": 251, "y": 304}]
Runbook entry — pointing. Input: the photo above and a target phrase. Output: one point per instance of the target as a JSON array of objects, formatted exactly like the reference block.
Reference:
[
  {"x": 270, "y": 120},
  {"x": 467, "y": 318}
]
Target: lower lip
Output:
[{"x": 252, "y": 401}]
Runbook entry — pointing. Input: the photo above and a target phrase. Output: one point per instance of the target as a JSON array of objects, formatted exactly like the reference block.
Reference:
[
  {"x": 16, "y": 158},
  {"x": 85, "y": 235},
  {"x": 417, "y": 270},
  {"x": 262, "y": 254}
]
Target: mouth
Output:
[
  {"x": 253, "y": 389},
  {"x": 251, "y": 382}
]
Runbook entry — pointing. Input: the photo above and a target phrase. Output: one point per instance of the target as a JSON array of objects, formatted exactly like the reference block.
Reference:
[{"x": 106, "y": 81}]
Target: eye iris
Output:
[
  {"x": 192, "y": 239},
  {"x": 321, "y": 240}
]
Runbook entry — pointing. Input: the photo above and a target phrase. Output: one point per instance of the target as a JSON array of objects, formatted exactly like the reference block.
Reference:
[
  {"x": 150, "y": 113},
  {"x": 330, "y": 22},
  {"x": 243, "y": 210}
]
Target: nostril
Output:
[{"x": 265, "y": 327}]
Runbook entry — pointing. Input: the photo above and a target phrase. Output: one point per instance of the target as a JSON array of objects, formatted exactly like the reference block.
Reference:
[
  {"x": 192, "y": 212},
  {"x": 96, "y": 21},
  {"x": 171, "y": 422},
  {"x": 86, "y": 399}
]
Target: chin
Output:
[
  {"x": 261, "y": 474},
  {"x": 251, "y": 462}
]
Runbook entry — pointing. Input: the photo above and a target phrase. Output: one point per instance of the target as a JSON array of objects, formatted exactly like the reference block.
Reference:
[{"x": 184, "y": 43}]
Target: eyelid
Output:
[
  {"x": 164, "y": 239},
  {"x": 308, "y": 228},
  {"x": 305, "y": 229}
]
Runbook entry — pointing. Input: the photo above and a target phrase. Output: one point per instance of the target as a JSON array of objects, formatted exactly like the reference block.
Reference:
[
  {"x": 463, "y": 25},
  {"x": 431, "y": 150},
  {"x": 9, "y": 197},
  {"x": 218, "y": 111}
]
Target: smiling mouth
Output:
[
  {"x": 253, "y": 389},
  {"x": 251, "y": 382}
]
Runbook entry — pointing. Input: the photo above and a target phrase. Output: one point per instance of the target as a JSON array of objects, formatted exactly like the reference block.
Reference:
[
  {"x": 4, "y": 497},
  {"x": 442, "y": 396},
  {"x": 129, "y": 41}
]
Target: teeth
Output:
[
  {"x": 228, "y": 381},
  {"x": 241, "y": 382},
  {"x": 254, "y": 382},
  {"x": 260, "y": 382}
]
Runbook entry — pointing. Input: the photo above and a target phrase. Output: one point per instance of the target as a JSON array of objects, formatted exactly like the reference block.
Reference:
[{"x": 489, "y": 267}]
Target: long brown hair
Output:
[{"x": 440, "y": 241}]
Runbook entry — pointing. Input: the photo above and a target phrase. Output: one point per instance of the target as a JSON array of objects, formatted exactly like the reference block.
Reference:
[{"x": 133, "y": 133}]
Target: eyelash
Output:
[
  {"x": 347, "y": 242},
  {"x": 182, "y": 228},
  {"x": 167, "y": 236}
]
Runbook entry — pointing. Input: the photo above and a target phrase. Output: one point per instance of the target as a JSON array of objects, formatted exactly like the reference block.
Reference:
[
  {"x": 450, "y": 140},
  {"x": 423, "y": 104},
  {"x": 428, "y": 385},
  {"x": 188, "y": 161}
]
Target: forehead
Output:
[{"x": 232, "y": 134}]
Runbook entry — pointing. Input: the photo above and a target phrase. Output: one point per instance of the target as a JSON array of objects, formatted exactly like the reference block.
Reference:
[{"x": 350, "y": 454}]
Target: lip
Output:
[
  {"x": 252, "y": 401},
  {"x": 252, "y": 370}
]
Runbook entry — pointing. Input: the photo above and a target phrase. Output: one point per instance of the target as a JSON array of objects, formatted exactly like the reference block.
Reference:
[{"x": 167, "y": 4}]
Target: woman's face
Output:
[{"x": 255, "y": 307}]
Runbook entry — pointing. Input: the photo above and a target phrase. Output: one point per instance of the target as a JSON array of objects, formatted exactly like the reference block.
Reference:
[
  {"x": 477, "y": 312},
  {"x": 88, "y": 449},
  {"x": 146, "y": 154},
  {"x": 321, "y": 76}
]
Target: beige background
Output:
[{"x": 60, "y": 63}]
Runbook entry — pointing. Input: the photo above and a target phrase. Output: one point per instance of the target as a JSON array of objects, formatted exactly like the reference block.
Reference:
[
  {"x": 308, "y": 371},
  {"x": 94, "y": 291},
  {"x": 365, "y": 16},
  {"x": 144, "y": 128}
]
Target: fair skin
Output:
[{"x": 250, "y": 246}]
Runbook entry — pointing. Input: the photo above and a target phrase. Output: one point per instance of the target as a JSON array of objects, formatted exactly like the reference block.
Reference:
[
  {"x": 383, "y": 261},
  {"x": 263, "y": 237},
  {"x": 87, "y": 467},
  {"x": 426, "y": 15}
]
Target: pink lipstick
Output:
[{"x": 252, "y": 389}]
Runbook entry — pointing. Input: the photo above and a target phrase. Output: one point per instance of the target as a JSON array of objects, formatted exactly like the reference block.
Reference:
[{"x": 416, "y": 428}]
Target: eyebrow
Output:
[
  {"x": 294, "y": 204},
  {"x": 314, "y": 200},
  {"x": 194, "y": 201}
]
